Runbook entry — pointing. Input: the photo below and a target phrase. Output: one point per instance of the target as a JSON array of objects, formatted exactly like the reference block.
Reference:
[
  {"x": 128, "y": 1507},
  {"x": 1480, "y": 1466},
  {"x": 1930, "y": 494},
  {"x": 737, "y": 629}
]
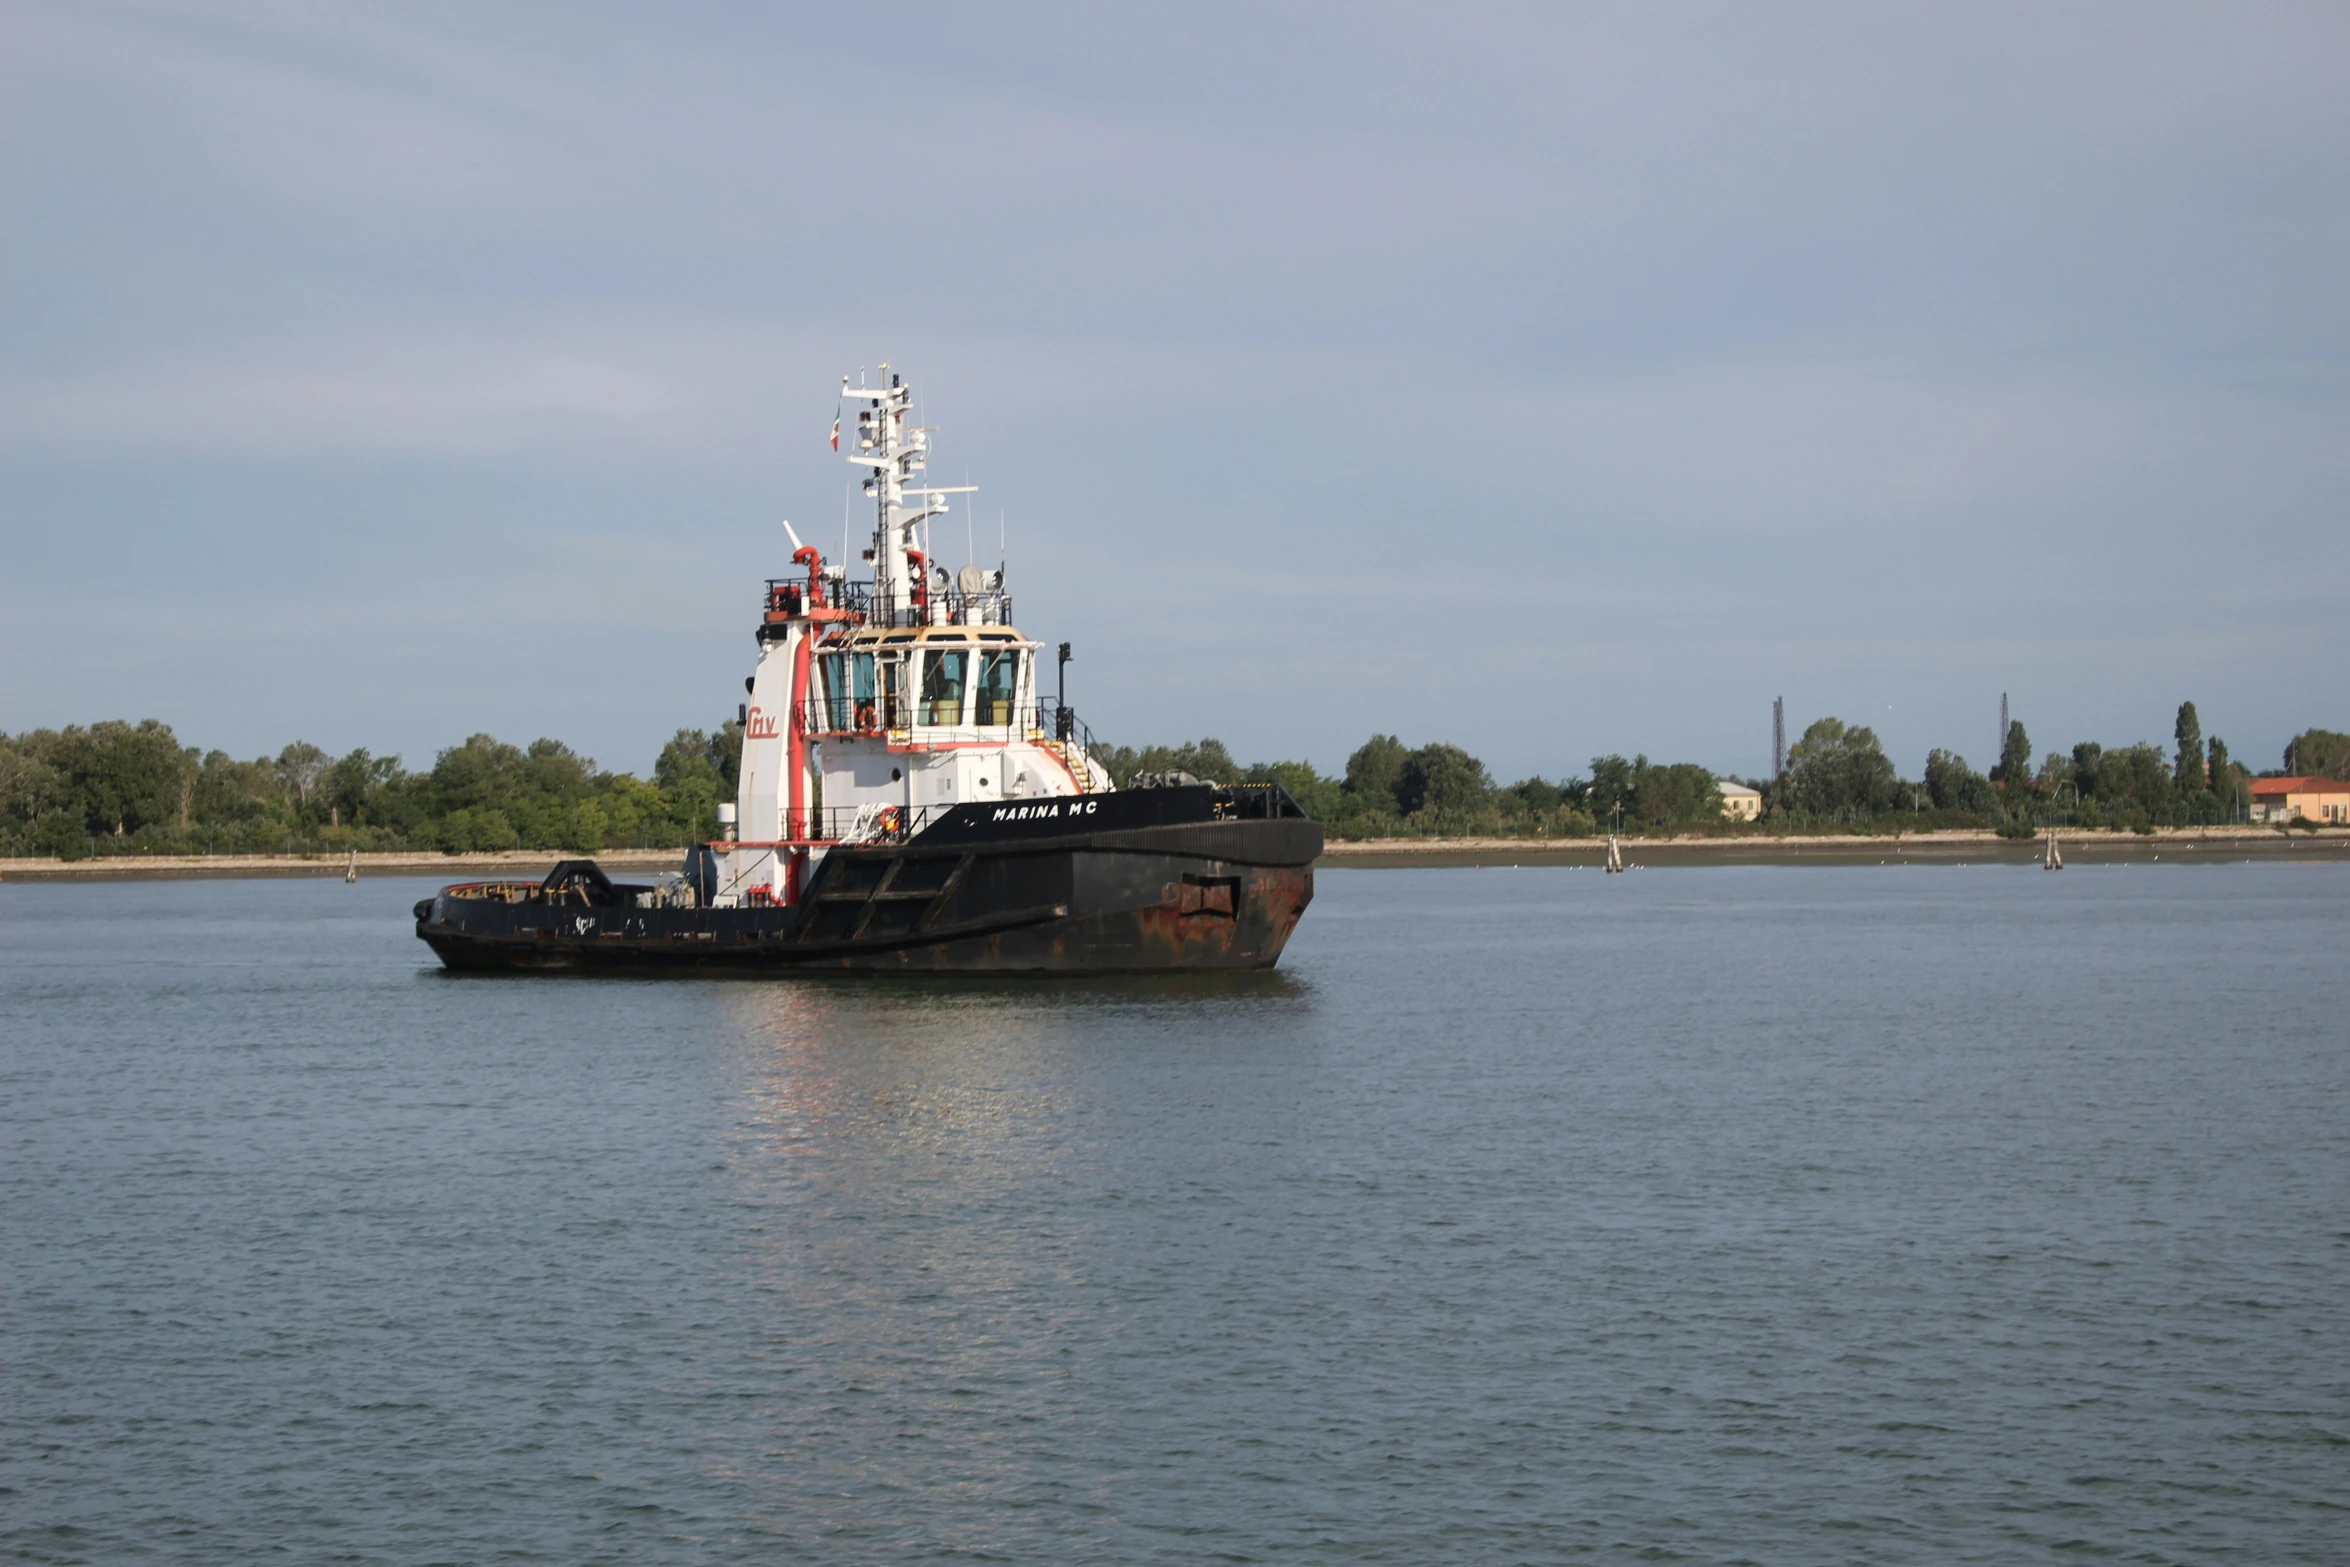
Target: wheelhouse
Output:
[
  {"x": 934, "y": 685},
  {"x": 879, "y": 702}
]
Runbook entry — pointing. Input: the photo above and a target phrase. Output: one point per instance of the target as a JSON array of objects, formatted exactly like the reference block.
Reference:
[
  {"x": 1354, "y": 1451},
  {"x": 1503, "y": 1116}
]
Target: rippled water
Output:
[{"x": 1731, "y": 1215}]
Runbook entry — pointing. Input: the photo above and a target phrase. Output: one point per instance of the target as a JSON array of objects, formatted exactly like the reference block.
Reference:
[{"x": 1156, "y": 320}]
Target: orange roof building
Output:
[{"x": 2300, "y": 799}]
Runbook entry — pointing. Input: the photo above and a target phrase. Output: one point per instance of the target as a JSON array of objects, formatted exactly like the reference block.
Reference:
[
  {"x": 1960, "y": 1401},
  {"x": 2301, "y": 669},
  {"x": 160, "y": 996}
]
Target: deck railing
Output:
[
  {"x": 947, "y": 606},
  {"x": 868, "y": 823}
]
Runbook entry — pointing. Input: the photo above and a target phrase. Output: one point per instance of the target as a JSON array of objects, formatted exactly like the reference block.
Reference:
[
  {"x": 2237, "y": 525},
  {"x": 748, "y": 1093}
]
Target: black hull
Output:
[{"x": 1182, "y": 896}]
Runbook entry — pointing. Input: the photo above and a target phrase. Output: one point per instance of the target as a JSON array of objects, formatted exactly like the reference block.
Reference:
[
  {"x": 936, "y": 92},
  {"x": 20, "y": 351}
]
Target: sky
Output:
[{"x": 1551, "y": 380}]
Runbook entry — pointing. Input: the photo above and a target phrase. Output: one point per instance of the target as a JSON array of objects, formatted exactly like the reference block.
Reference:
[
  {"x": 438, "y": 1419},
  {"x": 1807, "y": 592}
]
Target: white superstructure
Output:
[{"x": 878, "y": 703}]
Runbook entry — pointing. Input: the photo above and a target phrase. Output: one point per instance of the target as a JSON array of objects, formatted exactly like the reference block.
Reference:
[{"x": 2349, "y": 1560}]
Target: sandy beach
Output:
[{"x": 532, "y": 864}]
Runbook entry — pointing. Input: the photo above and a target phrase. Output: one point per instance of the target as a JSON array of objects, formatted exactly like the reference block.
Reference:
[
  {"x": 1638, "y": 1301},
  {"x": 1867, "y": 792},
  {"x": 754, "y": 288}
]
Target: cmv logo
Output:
[
  {"x": 759, "y": 725},
  {"x": 1029, "y": 813}
]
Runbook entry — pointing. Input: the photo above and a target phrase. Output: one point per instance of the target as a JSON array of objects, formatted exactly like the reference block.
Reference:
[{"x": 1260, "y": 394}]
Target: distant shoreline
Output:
[
  {"x": 531, "y": 864},
  {"x": 2209, "y": 845}
]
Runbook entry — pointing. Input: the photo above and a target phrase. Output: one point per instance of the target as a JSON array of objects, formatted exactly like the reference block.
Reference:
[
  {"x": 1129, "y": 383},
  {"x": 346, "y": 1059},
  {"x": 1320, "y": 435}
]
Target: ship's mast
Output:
[{"x": 897, "y": 451}]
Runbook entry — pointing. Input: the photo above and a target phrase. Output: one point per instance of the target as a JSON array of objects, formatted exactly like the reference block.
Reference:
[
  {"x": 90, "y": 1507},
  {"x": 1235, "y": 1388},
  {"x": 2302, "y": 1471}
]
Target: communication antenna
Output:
[
  {"x": 1778, "y": 737},
  {"x": 904, "y": 500},
  {"x": 2001, "y": 748}
]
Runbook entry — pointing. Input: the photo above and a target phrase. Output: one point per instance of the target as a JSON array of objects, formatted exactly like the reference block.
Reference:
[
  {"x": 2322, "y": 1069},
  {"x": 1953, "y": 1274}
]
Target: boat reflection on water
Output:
[
  {"x": 932, "y": 1206},
  {"x": 838, "y": 1057},
  {"x": 998, "y": 1077}
]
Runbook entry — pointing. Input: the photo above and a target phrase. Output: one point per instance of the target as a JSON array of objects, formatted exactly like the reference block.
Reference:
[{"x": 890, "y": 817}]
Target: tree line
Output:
[
  {"x": 124, "y": 788},
  {"x": 1837, "y": 778}
]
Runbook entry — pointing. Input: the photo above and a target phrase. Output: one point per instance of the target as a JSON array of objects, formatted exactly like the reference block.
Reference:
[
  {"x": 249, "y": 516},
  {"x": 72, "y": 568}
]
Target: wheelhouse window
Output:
[
  {"x": 999, "y": 683},
  {"x": 893, "y": 690},
  {"x": 943, "y": 674},
  {"x": 848, "y": 692}
]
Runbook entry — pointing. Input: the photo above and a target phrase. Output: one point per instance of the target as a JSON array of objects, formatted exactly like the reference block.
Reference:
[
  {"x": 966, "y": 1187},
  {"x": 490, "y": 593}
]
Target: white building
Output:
[{"x": 1739, "y": 803}]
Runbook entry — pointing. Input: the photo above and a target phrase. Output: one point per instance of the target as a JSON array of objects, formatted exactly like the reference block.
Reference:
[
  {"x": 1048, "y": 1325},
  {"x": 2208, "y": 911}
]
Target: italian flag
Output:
[{"x": 836, "y": 426}]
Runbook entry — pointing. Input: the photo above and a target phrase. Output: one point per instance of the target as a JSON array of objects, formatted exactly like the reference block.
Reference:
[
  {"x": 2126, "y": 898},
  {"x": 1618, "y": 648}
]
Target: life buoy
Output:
[{"x": 865, "y": 716}]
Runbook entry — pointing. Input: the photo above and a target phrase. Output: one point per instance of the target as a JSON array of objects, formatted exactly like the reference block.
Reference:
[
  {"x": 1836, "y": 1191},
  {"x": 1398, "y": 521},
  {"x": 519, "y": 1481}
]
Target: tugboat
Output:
[{"x": 907, "y": 804}]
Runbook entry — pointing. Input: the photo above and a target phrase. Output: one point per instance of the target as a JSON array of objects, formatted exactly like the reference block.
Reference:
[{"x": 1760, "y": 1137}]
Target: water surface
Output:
[{"x": 1709, "y": 1215}]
